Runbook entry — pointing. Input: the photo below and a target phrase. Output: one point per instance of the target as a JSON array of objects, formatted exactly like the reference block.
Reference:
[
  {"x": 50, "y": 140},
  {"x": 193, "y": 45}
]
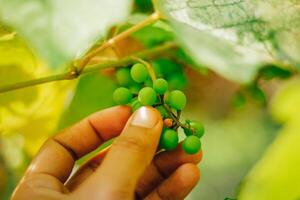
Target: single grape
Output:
[
  {"x": 139, "y": 73},
  {"x": 176, "y": 99},
  {"x": 122, "y": 96},
  {"x": 135, "y": 105},
  {"x": 160, "y": 85},
  {"x": 147, "y": 96},
  {"x": 196, "y": 128},
  {"x": 169, "y": 139},
  {"x": 168, "y": 122},
  {"x": 191, "y": 144},
  {"x": 123, "y": 77}
]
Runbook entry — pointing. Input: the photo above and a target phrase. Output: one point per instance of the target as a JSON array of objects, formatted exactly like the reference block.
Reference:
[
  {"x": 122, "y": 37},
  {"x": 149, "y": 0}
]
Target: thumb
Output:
[{"x": 128, "y": 157}]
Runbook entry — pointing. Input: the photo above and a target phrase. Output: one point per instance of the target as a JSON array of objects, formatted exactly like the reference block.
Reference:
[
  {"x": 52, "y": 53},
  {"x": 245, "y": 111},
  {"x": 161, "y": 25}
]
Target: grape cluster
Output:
[{"x": 138, "y": 89}]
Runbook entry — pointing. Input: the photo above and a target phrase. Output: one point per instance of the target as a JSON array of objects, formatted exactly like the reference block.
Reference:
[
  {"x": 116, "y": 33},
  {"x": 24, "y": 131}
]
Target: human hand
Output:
[{"x": 129, "y": 169}]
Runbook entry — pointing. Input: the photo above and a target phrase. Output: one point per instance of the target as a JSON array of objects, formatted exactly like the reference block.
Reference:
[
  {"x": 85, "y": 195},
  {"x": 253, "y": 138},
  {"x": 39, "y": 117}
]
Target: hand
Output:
[{"x": 129, "y": 169}]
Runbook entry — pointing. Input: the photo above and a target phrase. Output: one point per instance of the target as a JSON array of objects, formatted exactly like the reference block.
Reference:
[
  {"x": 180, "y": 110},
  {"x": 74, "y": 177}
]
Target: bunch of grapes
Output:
[{"x": 138, "y": 88}]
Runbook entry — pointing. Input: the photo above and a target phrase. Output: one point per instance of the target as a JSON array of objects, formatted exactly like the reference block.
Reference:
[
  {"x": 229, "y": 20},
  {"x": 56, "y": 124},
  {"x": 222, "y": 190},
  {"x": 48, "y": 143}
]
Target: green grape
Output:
[
  {"x": 176, "y": 99},
  {"x": 147, "y": 96},
  {"x": 139, "y": 73},
  {"x": 168, "y": 67},
  {"x": 135, "y": 105},
  {"x": 162, "y": 111},
  {"x": 169, "y": 139},
  {"x": 191, "y": 144},
  {"x": 123, "y": 77},
  {"x": 160, "y": 86},
  {"x": 122, "y": 96},
  {"x": 196, "y": 128},
  {"x": 135, "y": 88},
  {"x": 177, "y": 81}
]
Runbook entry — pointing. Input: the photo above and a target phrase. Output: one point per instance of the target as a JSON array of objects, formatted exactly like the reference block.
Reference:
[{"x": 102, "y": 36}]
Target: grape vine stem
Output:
[
  {"x": 112, "y": 41},
  {"x": 73, "y": 73}
]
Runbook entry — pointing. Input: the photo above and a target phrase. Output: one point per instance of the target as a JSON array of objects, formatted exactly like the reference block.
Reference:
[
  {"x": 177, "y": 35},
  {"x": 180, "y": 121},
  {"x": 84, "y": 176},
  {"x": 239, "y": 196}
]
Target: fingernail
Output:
[{"x": 145, "y": 117}]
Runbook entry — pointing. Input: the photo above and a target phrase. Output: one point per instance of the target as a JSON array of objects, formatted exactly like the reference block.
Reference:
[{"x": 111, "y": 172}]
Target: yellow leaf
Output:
[{"x": 277, "y": 175}]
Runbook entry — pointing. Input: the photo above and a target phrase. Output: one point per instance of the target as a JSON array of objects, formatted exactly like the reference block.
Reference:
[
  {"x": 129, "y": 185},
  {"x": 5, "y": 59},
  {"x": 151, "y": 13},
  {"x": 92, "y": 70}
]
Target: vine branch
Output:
[
  {"x": 112, "y": 41},
  {"x": 73, "y": 73}
]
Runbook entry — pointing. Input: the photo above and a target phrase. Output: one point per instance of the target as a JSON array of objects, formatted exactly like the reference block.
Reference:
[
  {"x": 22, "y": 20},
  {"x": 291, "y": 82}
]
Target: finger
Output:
[
  {"x": 86, "y": 170},
  {"x": 128, "y": 157},
  {"x": 178, "y": 185},
  {"x": 56, "y": 157},
  {"x": 162, "y": 166}
]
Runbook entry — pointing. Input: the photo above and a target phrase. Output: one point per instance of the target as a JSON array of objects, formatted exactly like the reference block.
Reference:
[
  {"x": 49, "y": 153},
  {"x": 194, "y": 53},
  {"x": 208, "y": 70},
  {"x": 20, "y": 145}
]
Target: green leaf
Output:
[
  {"x": 235, "y": 38},
  {"x": 61, "y": 30},
  {"x": 277, "y": 174},
  {"x": 93, "y": 93},
  {"x": 272, "y": 71}
]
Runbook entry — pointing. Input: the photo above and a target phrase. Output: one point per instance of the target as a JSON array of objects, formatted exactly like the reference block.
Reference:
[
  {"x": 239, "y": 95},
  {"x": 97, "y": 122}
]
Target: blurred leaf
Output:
[
  {"x": 277, "y": 175},
  {"x": 271, "y": 71},
  {"x": 238, "y": 100},
  {"x": 235, "y": 38},
  {"x": 93, "y": 93},
  {"x": 60, "y": 30},
  {"x": 257, "y": 93},
  {"x": 31, "y": 112},
  {"x": 285, "y": 105},
  {"x": 144, "y": 5}
]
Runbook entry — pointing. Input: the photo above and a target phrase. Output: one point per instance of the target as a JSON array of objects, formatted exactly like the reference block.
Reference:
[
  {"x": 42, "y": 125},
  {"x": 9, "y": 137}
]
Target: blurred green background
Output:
[{"x": 251, "y": 145}]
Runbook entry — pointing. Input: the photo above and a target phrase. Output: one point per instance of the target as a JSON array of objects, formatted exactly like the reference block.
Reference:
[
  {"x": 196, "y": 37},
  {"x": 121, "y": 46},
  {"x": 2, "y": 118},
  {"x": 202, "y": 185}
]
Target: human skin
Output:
[{"x": 131, "y": 168}]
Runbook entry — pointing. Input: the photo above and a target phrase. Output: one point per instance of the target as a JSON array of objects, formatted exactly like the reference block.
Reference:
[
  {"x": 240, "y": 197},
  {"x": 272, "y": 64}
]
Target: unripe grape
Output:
[
  {"x": 176, "y": 99},
  {"x": 196, "y": 128},
  {"x": 191, "y": 144},
  {"x": 147, "y": 96},
  {"x": 169, "y": 139},
  {"x": 123, "y": 76},
  {"x": 160, "y": 86},
  {"x": 122, "y": 96},
  {"x": 139, "y": 72}
]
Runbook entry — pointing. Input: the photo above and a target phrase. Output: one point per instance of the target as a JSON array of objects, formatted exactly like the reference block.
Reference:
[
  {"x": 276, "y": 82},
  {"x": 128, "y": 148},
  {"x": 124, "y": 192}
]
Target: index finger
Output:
[{"x": 58, "y": 154}]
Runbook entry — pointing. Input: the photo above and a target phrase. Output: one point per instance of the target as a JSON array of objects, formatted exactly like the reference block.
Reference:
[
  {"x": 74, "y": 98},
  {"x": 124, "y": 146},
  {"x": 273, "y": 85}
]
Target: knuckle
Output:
[{"x": 137, "y": 144}]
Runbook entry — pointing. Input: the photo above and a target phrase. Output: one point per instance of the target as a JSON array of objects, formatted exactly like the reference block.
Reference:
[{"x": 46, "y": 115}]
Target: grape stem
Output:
[
  {"x": 112, "y": 41},
  {"x": 174, "y": 117},
  {"x": 73, "y": 73},
  {"x": 148, "y": 66}
]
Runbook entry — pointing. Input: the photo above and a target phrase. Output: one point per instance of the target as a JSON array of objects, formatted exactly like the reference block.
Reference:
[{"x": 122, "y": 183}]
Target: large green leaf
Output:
[
  {"x": 60, "y": 30},
  {"x": 277, "y": 175},
  {"x": 236, "y": 37},
  {"x": 93, "y": 93}
]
